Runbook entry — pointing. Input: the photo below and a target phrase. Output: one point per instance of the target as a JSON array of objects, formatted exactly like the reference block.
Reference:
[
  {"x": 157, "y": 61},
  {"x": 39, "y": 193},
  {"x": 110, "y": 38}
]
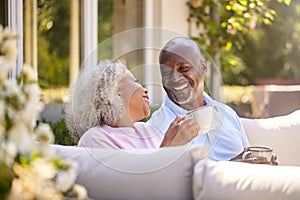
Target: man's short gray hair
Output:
[{"x": 95, "y": 98}]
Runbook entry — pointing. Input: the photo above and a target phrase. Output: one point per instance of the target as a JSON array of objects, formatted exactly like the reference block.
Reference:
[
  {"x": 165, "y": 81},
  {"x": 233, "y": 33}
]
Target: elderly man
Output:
[{"x": 182, "y": 68}]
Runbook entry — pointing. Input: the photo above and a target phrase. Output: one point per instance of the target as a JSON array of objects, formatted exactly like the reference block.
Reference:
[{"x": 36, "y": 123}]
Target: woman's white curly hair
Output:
[{"x": 95, "y": 97}]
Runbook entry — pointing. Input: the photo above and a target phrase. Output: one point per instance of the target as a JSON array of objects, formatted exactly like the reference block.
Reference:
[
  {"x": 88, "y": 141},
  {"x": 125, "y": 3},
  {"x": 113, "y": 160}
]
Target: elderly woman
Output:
[{"x": 106, "y": 105}]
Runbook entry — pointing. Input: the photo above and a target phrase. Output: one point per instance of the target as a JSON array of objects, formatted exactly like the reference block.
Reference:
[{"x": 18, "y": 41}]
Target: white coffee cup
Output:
[
  {"x": 205, "y": 116},
  {"x": 261, "y": 151}
]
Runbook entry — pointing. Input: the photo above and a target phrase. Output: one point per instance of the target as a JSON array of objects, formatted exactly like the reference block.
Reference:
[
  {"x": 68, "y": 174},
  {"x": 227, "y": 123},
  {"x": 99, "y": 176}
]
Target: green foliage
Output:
[
  {"x": 105, "y": 28},
  {"x": 53, "y": 42},
  {"x": 6, "y": 179},
  {"x": 271, "y": 51},
  {"x": 105, "y": 18},
  {"x": 53, "y": 39},
  {"x": 61, "y": 133},
  {"x": 233, "y": 70},
  {"x": 225, "y": 24}
]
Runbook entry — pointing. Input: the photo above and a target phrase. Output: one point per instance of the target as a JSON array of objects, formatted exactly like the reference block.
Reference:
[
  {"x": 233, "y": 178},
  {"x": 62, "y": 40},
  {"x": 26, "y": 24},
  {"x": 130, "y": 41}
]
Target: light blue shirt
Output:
[{"x": 225, "y": 142}]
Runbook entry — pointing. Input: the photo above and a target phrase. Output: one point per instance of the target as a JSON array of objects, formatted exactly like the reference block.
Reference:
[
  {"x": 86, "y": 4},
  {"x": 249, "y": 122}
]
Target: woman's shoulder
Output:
[
  {"x": 94, "y": 137},
  {"x": 142, "y": 125},
  {"x": 146, "y": 129},
  {"x": 93, "y": 130}
]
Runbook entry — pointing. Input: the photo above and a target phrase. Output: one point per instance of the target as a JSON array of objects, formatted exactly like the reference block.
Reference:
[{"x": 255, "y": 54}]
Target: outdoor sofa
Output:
[{"x": 184, "y": 172}]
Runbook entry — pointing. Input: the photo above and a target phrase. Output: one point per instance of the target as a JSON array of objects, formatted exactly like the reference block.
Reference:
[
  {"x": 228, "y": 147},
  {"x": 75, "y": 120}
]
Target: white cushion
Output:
[
  {"x": 281, "y": 133},
  {"x": 234, "y": 180},
  {"x": 134, "y": 174}
]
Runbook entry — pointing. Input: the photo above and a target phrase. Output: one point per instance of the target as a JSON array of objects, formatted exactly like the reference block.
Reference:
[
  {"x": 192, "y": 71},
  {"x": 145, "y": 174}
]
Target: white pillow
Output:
[
  {"x": 136, "y": 174},
  {"x": 234, "y": 180},
  {"x": 281, "y": 133}
]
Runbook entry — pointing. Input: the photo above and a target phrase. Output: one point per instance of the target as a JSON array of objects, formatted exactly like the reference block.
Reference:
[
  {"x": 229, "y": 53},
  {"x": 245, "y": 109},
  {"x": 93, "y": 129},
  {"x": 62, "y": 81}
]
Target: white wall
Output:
[
  {"x": 169, "y": 17},
  {"x": 174, "y": 14}
]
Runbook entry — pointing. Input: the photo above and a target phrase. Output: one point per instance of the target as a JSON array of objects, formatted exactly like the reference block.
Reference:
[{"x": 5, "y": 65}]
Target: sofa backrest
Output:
[
  {"x": 281, "y": 133},
  {"x": 167, "y": 173},
  {"x": 227, "y": 180},
  {"x": 164, "y": 173}
]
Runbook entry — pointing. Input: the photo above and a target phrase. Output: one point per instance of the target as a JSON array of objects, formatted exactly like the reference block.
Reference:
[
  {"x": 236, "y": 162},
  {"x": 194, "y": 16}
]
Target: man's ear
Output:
[{"x": 203, "y": 65}]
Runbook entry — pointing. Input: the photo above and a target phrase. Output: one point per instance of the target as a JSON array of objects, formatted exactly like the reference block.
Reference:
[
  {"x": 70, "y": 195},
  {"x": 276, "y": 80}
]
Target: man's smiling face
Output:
[{"x": 183, "y": 75}]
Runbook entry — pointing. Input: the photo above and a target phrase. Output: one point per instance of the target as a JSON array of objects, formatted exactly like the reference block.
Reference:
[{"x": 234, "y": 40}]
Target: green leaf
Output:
[
  {"x": 287, "y": 2},
  {"x": 61, "y": 133},
  {"x": 269, "y": 16},
  {"x": 273, "y": 12},
  {"x": 228, "y": 7},
  {"x": 243, "y": 2},
  {"x": 224, "y": 24},
  {"x": 267, "y": 21},
  {"x": 228, "y": 46},
  {"x": 233, "y": 62},
  {"x": 23, "y": 160},
  {"x": 6, "y": 179}
]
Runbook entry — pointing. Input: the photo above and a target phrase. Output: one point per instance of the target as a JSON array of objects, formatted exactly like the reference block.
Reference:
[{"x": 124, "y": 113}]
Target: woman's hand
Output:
[
  {"x": 180, "y": 132},
  {"x": 255, "y": 159}
]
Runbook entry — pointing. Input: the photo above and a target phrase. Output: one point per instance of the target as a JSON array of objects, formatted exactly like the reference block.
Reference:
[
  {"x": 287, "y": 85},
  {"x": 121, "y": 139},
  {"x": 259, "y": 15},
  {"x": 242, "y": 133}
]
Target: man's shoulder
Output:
[
  {"x": 223, "y": 106},
  {"x": 161, "y": 118},
  {"x": 159, "y": 114},
  {"x": 226, "y": 112}
]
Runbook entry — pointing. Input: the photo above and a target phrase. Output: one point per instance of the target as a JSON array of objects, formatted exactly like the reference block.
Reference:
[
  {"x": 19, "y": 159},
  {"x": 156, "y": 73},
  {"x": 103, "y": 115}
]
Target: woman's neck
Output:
[{"x": 125, "y": 121}]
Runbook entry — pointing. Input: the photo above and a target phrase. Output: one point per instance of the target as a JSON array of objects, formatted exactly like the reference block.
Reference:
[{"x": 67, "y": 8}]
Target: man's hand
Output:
[
  {"x": 180, "y": 132},
  {"x": 255, "y": 159}
]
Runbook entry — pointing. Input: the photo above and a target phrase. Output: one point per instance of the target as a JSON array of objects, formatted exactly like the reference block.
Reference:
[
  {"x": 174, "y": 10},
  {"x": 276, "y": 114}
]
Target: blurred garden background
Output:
[
  {"x": 252, "y": 49},
  {"x": 253, "y": 44},
  {"x": 269, "y": 52}
]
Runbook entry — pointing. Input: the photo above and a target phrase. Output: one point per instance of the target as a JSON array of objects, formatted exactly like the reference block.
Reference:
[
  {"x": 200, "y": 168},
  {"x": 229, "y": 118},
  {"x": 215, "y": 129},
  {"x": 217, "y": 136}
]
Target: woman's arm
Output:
[{"x": 180, "y": 132}]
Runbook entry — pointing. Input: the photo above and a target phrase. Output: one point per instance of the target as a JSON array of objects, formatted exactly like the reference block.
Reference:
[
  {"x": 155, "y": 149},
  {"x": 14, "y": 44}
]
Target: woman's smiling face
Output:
[
  {"x": 135, "y": 97},
  {"x": 183, "y": 76}
]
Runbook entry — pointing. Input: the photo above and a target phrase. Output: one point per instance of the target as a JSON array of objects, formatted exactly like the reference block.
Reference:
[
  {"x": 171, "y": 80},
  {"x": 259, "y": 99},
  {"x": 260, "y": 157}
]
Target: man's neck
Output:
[{"x": 194, "y": 104}]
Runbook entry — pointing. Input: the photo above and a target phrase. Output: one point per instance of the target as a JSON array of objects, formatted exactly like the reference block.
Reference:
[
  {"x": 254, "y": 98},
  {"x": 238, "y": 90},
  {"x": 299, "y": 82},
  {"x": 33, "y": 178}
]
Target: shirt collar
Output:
[
  {"x": 173, "y": 107},
  {"x": 207, "y": 99}
]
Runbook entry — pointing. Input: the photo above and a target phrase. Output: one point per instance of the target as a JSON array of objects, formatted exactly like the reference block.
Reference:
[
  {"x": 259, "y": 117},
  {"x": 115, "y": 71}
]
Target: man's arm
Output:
[{"x": 246, "y": 157}]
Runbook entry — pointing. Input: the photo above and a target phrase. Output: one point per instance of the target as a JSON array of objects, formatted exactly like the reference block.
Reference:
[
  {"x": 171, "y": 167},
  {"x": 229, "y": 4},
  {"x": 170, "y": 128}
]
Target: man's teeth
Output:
[{"x": 181, "y": 87}]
